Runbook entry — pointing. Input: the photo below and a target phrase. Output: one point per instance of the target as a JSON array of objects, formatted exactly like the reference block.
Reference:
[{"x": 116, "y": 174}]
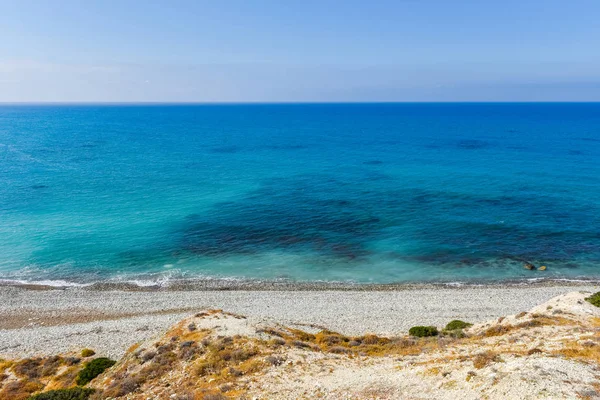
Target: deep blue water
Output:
[{"x": 355, "y": 192}]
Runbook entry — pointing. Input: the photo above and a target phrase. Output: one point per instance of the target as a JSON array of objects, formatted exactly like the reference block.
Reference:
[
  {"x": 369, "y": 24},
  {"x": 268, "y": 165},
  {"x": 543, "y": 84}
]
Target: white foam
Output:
[{"x": 53, "y": 283}]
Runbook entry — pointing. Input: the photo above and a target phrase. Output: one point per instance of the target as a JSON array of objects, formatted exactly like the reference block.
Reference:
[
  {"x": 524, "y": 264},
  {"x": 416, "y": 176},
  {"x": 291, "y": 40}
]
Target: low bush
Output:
[
  {"x": 121, "y": 387},
  {"x": 19, "y": 390},
  {"x": 87, "y": 353},
  {"x": 484, "y": 359},
  {"x": 275, "y": 360},
  {"x": 30, "y": 368},
  {"x": 457, "y": 324},
  {"x": 594, "y": 299},
  {"x": 77, "y": 393},
  {"x": 94, "y": 368},
  {"x": 423, "y": 331}
]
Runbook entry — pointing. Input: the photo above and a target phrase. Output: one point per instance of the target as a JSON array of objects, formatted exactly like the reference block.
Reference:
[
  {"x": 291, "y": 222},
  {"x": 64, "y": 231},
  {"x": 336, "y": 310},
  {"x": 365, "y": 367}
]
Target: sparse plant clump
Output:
[
  {"x": 497, "y": 330},
  {"x": 276, "y": 342},
  {"x": 457, "y": 324},
  {"x": 51, "y": 365},
  {"x": 77, "y": 393},
  {"x": 147, "y": 356},
  {"x": 330, "y": 338},
  {"x": 423, "y": 331},
  {"x": 72, "y": 360},
  {"x": 275, "y": 360},
  {"x": 33, "y": 368},
  {"x": 87, "y": 353},
  {"x": 303, "y": 336},
  {"x": 300, "y": 344},
  {"x": 470, "y": 375},
  {"x": 19, "y": 390},
  {"x": 94, "y": 368},
  {"x": 579, "y": 351},
  {"x": 270, "y": 331},
  {"x": 482, "y": 360},
  {"x": 455, "y": 334},
  {"x": 340, "y": 350},
  {"x": 121, "y": 387},
  {"x": 535, "y": 350},
  {"x": 30, "y": 368},
  {"x": 228, "y": 356},
  {"x": 594, "y": 299},
  {"x": 189, "y": 350}
]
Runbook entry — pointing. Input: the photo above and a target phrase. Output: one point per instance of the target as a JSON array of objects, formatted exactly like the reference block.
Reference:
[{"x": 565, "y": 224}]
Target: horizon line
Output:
[{"x": 208, "y": 103}]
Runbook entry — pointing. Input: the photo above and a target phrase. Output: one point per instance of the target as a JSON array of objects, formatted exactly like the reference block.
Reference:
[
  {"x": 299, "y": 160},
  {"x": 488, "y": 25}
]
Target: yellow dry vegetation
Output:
[
  {"x": 580, "y": 351},
  {"x": 31, "y": 375}
]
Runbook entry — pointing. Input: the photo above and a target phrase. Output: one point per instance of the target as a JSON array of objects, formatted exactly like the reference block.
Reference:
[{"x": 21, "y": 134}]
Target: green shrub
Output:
[
  {"x": 87, "y": 352},
  {"x": 423, "y": 331},
  {"x": 594, "y": 299},
  {"x": 92, "y": 369},
  {"x": 77, "y": 393},
  {"x": 457, "y": 324}
]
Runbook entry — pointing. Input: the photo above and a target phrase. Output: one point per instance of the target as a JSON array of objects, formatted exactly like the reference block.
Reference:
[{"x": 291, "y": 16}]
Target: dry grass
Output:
[
  {"x": 369, "y": 345},
  {"x": 5, "y": 365},
  {"x": 217, "y": 363},
  {"x": 537, "y": 320},
  {"x": 19, "y": 379},
  {"x": 20, "y": 390},
  {"x": 217, "y": 367},
  {"x": 225, "y": 354},
  {"x": 484, "y": 359},
  {"x": 224, "y": 362},
  {"x": 432, "y": 371},
  {"x": 497, "y": 330},
  {"x": 580, "y": 352}
]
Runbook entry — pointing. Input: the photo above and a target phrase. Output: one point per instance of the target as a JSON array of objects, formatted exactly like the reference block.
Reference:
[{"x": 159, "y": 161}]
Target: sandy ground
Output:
[{"x": 46, "y": 322}]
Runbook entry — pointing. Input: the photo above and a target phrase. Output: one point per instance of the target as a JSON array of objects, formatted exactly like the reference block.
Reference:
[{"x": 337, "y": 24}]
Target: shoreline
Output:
[
  {"x": 235, "y": 284},
  {"x": 47, "y": 322}
]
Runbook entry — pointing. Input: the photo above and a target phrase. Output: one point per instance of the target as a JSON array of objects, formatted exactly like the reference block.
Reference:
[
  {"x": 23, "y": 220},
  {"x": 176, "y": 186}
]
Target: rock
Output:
[
  {"x": 529, "y": 266},
  {"x": 542, "y": 268}
]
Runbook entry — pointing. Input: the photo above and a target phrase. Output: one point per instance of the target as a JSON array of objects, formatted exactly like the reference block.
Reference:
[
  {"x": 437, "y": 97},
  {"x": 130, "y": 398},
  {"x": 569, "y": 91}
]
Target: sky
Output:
[{"x": 299, "y": 51}]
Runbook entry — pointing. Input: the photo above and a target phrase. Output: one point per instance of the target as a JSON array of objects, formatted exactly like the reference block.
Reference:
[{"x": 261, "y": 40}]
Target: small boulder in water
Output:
[
  {"x": 529, "y": 266},
  {"x": 542, "y": 268}
]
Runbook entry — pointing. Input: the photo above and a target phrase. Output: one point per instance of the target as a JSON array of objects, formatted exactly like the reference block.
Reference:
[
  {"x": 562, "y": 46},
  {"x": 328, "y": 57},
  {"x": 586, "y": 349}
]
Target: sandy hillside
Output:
[{"x": 550, "y": 352}]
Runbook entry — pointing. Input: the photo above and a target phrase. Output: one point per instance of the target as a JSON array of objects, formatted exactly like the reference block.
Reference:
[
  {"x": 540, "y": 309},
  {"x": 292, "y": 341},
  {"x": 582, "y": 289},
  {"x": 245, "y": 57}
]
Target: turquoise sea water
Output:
[{"x": 356, "y": 192}]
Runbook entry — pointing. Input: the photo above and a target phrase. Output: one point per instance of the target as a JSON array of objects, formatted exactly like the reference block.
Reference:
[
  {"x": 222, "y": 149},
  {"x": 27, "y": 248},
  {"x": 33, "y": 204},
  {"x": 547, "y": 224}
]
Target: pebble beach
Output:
[{"x": 37, "y": 321}]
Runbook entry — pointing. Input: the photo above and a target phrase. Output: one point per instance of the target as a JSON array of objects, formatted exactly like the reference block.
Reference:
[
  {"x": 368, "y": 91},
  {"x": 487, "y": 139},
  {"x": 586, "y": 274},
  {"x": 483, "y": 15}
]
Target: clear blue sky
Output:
[{"x": 253, "y": 50}]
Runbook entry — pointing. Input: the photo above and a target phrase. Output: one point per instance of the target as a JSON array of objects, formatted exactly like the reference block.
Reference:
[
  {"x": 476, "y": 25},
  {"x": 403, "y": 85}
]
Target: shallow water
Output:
[{"x": 358, "y": 192}]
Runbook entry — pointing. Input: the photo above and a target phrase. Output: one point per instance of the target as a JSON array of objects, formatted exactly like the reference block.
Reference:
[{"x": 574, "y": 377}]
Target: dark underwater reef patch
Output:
[
  {"x": 342, "y": 218},
  {"x": 276, "y": 147},
  {"x": 303, "y": 216},
  {"x": 463, "y": 144},
  {"x": 285, "y": 147},
  {"x": 517, "y": 147},
  {"x": 373, "y": 162},
  {"x": 473, "y": 144},
  {"x": 589, "y": 139},
  {"x": 225, "y": 149}
]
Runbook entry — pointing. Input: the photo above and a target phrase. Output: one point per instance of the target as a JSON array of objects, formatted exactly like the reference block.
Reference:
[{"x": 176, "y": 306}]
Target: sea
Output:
[{"x": 387, "y": 193}]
